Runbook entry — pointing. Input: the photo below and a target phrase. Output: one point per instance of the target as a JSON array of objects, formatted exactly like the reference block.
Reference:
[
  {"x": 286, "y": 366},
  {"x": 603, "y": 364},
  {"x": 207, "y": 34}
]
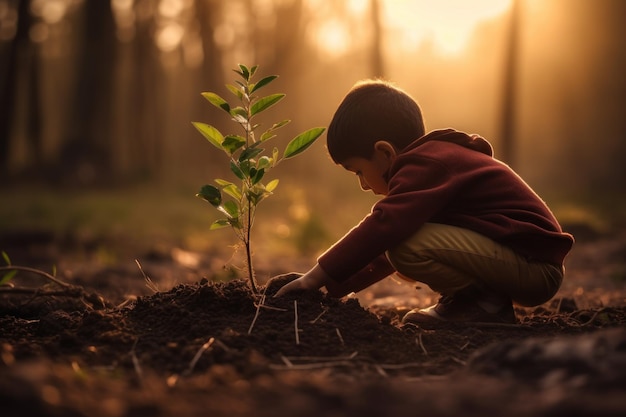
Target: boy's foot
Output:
[{"x": 463, "y": 308}]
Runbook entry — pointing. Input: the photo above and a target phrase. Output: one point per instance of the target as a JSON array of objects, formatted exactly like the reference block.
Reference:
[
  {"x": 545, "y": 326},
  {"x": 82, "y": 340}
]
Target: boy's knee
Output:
[{"x": 405, "y": 258}]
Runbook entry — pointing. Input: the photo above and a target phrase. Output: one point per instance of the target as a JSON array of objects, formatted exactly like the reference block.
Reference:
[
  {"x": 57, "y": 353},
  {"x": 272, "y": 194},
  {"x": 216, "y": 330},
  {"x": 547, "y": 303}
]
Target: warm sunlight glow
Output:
[
  {"x": 333, "y": 36},
  {"x": 445, "y": 24}
]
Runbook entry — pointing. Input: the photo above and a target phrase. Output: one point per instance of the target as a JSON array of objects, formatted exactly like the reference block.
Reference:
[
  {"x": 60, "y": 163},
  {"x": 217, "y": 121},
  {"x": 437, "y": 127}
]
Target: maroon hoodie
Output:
[{"x": 445, "y": 177}]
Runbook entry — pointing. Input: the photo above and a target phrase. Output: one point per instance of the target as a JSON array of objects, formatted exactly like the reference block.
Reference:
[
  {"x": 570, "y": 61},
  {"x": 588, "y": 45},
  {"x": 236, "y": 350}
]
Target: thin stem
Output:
[
  {"x": 35, "y": 271},
  {"x": 249, "y": 251},
  {"x": 295, "y": 321}
]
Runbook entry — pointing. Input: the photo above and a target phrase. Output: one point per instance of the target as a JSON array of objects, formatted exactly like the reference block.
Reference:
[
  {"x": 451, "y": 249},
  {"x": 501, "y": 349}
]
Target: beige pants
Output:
[{"x": 448, "y": 258}]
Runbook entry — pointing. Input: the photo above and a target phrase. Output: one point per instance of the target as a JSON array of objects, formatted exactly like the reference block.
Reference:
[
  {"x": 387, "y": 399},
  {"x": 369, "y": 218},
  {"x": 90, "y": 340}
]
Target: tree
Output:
[
  {"x": 86, "y": 155},
  {"x": 22, "y": 60}
]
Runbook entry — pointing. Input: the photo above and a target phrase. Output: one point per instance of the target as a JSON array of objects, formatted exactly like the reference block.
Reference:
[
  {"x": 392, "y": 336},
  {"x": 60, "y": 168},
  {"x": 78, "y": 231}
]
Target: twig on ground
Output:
[
  {"x": 420, "y": 342},
  {"x": 265, "y": 306},
  {"x": 256, "y": 315},
  {"x": 199, "y": 353},
  {"x": 260, "y": 305},
  {"x": 222, "y": 345},
  {"x": 322, "y": 358},
  {"x": 459, "y": 361},
  {"x": 340, "y": 336},
  {"x": 466, "y": 344},
  {"x": 38, "y": 292},
  {"x": 401, "y": 365},
  {"x": 69, "y": 290},
  {"x": 149, "y": 283},
  {"x": 37, "y": 272},
  {"x": 325, "y": 309},
  {"x": 295, "y": 321},
  {"x": 381, "y": 371},
  {"x": 593, "y": 317},
  {"x": 309, "y": 366},
  {"x": 286, "y": 361},
  {"x": 496, "y": 325},
  {"x": 135, "y": 360}
]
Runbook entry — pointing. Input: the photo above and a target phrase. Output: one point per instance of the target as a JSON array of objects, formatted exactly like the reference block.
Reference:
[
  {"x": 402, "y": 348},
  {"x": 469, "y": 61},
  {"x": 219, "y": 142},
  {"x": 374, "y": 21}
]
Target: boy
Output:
[{"x": 451, "y": 216}]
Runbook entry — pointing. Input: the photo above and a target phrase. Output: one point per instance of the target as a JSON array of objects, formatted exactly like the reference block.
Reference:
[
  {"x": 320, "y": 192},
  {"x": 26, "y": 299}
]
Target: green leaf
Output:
[
  {"x": 229, "y": 188},
  {"x": 249, "y": 153},
  {"x": 301, "y": 142},
  {"x": 218, "y": 224},
  {"x": 253, "y": 70},
  {"x": 236, "y": 170},
  {"x": 211, "y": 194},
  {"x": 8, "y": 277},
  {"x": 233, "y": 191},
  {"x": 222, "y": 182},
  {"x": 211, "y": 134},
  {"x": 235, "y": 223},
  {"x": 239, "y": 111},
  {"x": 267, "y": 135},
  {"x": 265, "y": 102},
  {"x": 257, "y": 176},
  {"x": 232, "y": 143},
  {"x": 264, "y": 162},
  {"x": 217, "y": 101},
  {"x": 245, "y": 72},
  {"x": 238, "y": 92},
  {"x": 244, "y": 166},
  {"x": 6, "y": 258},
  {"x": 263, "y": 82},
  {"x": 232, "y": 210},
  {"x": 271, "y": 186}
]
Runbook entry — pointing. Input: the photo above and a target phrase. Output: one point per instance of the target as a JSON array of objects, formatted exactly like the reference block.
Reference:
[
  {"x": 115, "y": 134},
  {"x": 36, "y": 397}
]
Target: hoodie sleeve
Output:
[{"x": 377, "y": 270}]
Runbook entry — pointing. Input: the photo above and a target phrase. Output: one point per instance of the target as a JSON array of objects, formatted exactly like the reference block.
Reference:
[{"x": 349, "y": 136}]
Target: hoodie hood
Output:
[{"x": 473, "y": 141}]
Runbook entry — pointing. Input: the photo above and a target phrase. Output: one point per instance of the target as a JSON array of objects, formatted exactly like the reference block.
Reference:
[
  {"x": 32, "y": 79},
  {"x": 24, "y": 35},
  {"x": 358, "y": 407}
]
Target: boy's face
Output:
[{"x": 370, "y": 172}]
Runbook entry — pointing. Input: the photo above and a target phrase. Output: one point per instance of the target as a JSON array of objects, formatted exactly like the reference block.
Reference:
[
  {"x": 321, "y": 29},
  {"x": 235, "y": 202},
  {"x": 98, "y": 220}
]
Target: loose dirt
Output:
[{"x": 207, "y": 347}]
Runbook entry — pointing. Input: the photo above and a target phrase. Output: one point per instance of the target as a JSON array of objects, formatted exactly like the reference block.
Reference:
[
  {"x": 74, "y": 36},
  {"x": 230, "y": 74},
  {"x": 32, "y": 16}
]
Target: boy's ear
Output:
[{"x": 386, "y": 148}]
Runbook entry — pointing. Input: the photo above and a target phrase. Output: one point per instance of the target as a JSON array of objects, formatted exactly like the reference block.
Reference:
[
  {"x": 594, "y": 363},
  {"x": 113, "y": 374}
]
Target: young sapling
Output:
[{"x": 247, "y": 156}]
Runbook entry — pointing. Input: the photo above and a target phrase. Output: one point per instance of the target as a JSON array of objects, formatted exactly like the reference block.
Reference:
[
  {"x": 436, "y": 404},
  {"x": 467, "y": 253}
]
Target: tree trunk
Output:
[{"x": 87, "y": 154}]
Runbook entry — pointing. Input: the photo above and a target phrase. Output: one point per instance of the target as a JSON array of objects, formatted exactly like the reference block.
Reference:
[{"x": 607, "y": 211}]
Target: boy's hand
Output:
[
  {"x": 277, "y": 282},
  {"x": 312, "y": 280}
]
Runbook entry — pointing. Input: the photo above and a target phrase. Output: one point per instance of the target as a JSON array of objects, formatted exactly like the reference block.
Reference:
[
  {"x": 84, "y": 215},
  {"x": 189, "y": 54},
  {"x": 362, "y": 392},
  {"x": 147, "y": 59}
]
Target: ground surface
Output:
[{"x": 205, "y": 347}]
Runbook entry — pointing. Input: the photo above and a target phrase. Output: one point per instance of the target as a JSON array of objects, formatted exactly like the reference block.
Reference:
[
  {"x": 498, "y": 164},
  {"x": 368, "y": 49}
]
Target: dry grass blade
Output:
[
  {"x": 310, "y": 366},
  {"x": 135, "y": 360},
  {"x": 286, "y": 361},
  {"x": 149, "y": 283},
  {"x": 259, "y": 305},
  {"x": 37, "y": 272},
  {"x": 340, "y": 336},
  {"x": 199, "y": 353},
  {"x": 320, "y": 358},
  {"x": 319, "y": 315},
  {"x": 421, "y": 344},
  {"x": 295, "y": 321}
]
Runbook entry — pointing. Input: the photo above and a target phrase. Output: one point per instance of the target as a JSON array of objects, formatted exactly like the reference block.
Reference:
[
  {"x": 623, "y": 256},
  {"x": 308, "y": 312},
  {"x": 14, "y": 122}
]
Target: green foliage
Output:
[
  {"x": 248, "y": 157},
  {"x": 6, "y": 278}
]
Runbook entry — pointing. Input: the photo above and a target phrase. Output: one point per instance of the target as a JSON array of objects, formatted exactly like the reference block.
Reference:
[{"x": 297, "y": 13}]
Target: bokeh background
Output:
[{"x": 98, "y": 154}]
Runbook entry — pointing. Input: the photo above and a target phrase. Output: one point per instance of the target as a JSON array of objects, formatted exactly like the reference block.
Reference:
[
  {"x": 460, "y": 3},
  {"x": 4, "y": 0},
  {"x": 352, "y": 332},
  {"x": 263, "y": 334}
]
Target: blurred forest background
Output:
[{"x": 97, "y": 99}]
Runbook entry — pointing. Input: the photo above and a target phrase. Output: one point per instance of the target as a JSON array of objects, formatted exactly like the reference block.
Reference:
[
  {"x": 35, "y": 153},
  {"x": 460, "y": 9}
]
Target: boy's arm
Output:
[
  {"x": 317, "y": 278},
  {"x": 377, "y": 270}
]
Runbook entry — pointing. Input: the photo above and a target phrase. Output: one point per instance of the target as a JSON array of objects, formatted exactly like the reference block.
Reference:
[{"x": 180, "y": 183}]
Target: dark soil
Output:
[{"x": 215, "y": 348}]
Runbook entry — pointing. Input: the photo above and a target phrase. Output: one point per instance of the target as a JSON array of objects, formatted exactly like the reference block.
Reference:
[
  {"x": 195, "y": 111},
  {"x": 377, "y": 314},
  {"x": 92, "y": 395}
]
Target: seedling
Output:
[{"x": 247, "y": 156}]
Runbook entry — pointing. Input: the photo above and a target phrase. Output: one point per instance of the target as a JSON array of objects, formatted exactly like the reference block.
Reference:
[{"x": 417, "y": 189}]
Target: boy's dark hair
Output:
[{"x": 373, "y": 110}]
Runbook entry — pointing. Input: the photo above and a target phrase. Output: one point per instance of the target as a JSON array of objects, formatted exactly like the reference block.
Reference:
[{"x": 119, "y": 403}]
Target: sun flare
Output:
[{"x": 446, "y": 24}]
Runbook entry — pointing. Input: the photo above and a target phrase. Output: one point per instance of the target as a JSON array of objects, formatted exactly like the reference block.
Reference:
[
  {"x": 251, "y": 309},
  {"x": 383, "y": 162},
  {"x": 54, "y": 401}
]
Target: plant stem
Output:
[
  {"x": 248, "y": 250},
  {"x": 35, "y": 271}
]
